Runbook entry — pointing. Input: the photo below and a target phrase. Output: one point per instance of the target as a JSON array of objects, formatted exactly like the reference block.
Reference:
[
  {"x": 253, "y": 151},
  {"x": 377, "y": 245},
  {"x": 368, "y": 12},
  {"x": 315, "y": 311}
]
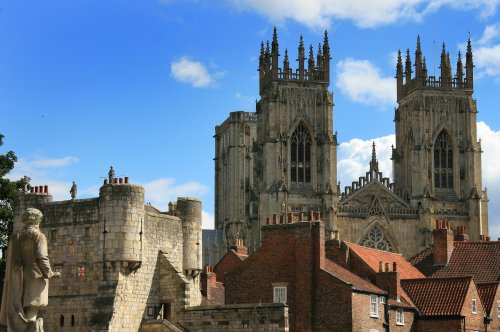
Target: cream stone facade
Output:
[
  {"x": 292, "y": 166},
  {"x": 122, "y": 262}
]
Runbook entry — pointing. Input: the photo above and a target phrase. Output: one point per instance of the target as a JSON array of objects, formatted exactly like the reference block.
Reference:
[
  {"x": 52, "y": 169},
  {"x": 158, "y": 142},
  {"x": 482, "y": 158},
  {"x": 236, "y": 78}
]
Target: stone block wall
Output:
[{"x": 107, "y": 285}]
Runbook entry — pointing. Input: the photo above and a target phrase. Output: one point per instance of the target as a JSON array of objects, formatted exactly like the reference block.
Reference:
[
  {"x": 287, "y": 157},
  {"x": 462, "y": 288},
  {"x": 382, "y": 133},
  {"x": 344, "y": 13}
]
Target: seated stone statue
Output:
[{"x": 26, "y": 284}]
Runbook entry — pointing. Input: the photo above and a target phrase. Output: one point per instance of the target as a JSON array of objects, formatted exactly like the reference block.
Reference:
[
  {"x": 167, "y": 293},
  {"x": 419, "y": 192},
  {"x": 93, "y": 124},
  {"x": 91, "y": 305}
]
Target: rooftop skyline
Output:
[{"x": 141, "y": 85}]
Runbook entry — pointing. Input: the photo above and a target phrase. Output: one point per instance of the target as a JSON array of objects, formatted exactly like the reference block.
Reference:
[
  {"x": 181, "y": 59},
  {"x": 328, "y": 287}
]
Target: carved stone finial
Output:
[{"x": 374, "y": 162}]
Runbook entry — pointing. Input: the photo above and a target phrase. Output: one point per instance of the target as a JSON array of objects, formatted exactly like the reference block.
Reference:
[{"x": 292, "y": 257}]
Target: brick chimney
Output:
[
  {"x": 389, "y": 280},
  {"x": 239, "y": 248},
  {"x": 461, "y": 235},
  {"x": 443, "y": 242},
  {"x": 207, "y": 281}
]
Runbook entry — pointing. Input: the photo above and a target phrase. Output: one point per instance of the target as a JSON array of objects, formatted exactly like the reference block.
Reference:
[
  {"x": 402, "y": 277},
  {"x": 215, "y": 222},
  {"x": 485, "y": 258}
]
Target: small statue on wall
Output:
[
  {"x": 73, "y": 191},
  {"x": 26, "y": 285},
  {"x": 111, "y": 175}
]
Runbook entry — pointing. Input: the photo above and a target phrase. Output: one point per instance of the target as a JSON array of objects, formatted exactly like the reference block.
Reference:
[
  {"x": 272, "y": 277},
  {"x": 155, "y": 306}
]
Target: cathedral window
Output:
[
  {"x": 443, "y": 161},
  {"x": 376, "y": 239},
  {"x": 300, "y": 155}
]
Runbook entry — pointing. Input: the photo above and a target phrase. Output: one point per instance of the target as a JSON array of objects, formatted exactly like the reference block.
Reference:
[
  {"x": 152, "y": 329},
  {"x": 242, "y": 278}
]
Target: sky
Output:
[{"x": 141, "y": 85}]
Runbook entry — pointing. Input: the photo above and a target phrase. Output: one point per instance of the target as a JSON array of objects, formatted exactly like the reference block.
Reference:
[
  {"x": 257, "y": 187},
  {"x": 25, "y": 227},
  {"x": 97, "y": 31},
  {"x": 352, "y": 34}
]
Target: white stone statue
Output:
[{"x": 26, "y": 285}]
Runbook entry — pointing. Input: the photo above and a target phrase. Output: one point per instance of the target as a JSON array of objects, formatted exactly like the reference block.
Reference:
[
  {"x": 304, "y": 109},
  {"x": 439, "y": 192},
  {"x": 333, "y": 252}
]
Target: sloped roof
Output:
[
  {"x": 487, "y": 292},
  {"x": 372, "y": 257},
  {"x": 478, "y": 259},
  {"x": 438, "y": 296},
  {"x": 351, "y": 279}
]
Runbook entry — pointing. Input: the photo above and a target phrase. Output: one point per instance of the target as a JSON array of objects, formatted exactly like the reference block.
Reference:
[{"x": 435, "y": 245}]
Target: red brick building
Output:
[
  {"x": 446, "y": 304},
  {"x": 455, "y": 256},
  {"x": 291, "y": 267}
]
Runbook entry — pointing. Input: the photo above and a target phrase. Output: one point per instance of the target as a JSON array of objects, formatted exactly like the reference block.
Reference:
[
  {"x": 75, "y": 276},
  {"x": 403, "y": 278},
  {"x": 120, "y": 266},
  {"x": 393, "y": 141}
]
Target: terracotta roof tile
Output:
[
  {"x": 350, "y": 278},
  {"x": 372, "y": 257},
  {"x": 487, "y": 292},
  {"x": 438, "y": 296},
  {"x": 478, "y": 259}
]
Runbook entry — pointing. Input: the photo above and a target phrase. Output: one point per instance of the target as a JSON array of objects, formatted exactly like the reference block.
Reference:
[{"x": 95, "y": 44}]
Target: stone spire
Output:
[
  {"x": 301, "y": 58},
  {"x": 267, "y": 56},
  {"x": 326, "y": 57},
  {"x": 469, "y": 66},
  {"x": 275, "y": 53},
  {"x": 418, "y": 61},
  {"x": 408, "y": 66},
  {"x": 310, "y": 63},
  {"x": 374, "y": 162},
  {"x": 445, "y": 68},
  {"x": 399, "y": 75},
  {"x": 460, "y": 70},
  {"x": 319, "y": 58},
  {"x": 286, "y": 65},
  {"x": 424, "y": 69}
]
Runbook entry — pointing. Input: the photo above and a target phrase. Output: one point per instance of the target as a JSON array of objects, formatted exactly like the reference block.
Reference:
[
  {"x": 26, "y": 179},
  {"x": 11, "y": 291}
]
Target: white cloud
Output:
[
  {"x": 362, "y": 82},
  {"x": 161, "y": 191},
  {"x": 354, "y": 157},
  {"x": 193, "y": 72},
  {"x": 36, "y": 169},
  {"x": 487, "y": 52},
  {"x": 207, "y": 220},
  {"x": 363, "y": 13}
]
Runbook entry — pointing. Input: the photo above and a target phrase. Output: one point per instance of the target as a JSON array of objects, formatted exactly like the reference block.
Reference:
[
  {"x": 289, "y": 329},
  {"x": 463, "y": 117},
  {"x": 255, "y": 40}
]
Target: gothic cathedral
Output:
[{"x": 280, "y": 162}]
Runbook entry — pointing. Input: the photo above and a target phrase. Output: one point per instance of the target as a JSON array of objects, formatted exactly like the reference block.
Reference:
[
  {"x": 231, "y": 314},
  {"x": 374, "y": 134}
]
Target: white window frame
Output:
[
  {"x": 474, "y": 306},
  {"x": 498, "y": 309},
  {"x": 382, "y": 300},
  {"x": 374, "y": 306},
  {"x": 279, "y": 294},
  {"x": 400, "y": 316}
]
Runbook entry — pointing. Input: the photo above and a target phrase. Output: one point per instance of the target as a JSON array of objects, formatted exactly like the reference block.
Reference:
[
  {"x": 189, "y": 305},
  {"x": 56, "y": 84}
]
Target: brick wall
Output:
[
  {"x": 361, "y": 320},
  {"x": 228, "y": 263}
]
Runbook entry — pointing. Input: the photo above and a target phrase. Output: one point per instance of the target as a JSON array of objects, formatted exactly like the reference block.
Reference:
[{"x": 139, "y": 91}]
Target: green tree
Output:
[{"x": 9, "y": 191}]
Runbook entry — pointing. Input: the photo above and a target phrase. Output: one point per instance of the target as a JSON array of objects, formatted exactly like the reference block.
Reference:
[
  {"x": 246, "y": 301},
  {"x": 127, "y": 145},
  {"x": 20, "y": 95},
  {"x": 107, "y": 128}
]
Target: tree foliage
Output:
[{"x": 9, "y": 191}]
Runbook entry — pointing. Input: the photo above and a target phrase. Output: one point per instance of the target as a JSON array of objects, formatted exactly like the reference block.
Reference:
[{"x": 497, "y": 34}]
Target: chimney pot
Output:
[
  {"x": 380, "y": 266},
  {"x": 126, "y": 179},
  {"x": 290, "y": 217},
  {"x": 105, "y": 181},
  {"x": 394, "y": 266},
  {"x": 268, "y": 221},
  {"x": 116, "y": 180},
  {"x": 301, "y": 216},
  {"x": 36, "y": 189},
  {"x": 275, "y": 218},
  {"x": 488, "y": 239},
  {"x": 40, "y": 190},
  {"x": 387, "y": 269},
  {"x": 311, "y": 215},
  {"x": 32, "y": 190},
  {"x": 120, "y": 180},
  {"x": 46, "y": 189}
]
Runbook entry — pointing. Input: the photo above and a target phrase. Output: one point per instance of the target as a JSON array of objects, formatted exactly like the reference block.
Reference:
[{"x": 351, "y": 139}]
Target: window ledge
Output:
[
  {"x": 373, "y": 316},
  {"x": 400, "y": 324}
]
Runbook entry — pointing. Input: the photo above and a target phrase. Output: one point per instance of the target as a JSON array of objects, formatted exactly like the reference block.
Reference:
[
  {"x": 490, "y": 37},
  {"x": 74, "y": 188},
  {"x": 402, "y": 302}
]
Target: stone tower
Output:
[
  {"x": 437, "y": 158},
  {"x": 295, "y": 149}
]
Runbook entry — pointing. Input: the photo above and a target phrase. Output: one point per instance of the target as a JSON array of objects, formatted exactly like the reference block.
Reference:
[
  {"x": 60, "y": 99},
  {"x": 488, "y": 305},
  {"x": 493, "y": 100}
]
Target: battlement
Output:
[
  {"x": 269, "y": 70},
  {"x": 406, "y": 83}
]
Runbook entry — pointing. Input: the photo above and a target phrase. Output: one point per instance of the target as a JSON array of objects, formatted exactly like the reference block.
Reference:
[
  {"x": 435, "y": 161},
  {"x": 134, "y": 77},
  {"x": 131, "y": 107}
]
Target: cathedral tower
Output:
[
  {"x": 437, "y": 158},
  {"x": 295, "y": 149},
  {"x": 283, "y": 157}
]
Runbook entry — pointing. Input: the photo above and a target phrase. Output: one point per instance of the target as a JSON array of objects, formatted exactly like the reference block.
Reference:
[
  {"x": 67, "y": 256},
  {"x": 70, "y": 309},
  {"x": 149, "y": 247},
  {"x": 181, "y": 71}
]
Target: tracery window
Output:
[
  {"x": 300, "y": 155},
  {"x": 443, "y": 161},
  {"x": 376, "y": 239}
]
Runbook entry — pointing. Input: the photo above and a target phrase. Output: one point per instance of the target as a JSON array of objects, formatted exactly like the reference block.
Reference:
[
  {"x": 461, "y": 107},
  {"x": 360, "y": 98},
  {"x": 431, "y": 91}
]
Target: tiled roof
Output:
[
  {"x": 487, "y": 292},
  {"x": 350, "y": 278},
  {"x": 372, "y": 257},
  {"x": 478, "y": 259},
  {"x": 438, "y": 296},
  {"x": 217, "y": 295}
]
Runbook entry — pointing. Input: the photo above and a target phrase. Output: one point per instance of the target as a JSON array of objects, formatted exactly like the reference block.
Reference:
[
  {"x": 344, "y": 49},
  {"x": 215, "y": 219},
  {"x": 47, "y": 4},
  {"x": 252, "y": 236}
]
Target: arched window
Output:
[
  {"x": 443, "y": 161},
  {"x": 300, "y": 155},
  {"x": 376, "y": 239}
]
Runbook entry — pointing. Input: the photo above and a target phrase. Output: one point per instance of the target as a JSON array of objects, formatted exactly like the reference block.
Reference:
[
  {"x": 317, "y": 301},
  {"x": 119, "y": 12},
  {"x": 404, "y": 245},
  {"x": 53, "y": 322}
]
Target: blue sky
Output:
[{"x": 140, "y": 85}]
